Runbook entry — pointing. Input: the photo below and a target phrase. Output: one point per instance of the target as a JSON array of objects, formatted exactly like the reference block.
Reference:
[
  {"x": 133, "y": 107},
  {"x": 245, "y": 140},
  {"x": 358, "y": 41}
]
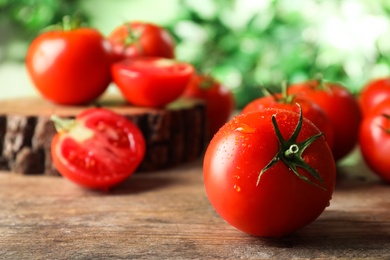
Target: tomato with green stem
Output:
[
  {"x": 138, "y": 38},
  {"x": 269, "y": 173},
  {"x": 99, "y": 149},
  {"x": 151, "y": 81},
  {"x": 219, "y": 100},
  {"x": 71, "y": 65},
  {"x": 341, "y": 107},
  {"x": 283, "y": 100}
]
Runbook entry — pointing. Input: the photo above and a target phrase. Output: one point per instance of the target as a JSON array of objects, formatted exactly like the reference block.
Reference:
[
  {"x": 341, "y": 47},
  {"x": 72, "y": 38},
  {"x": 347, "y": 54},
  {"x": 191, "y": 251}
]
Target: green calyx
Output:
[
  {"x": 133, "y": 37},
  {"x": 290, "y": 153},
  {"x": 70, "y": 23},
  {"x": 207, "y": 82}
]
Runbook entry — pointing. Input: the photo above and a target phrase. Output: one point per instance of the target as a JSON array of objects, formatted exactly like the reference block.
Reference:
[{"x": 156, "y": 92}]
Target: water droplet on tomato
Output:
[
  {"x": 237, "y": 188},
  {"x": 246, "y": 129}
]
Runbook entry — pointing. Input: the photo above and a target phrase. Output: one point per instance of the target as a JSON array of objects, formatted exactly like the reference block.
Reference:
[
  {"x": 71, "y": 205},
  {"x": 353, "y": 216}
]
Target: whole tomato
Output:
[
  {"x": 151, "y": 81},
  {"x": 269, "y": 173},
  {"x": 373, "y": 93},
  {"x": 138, "y": 38},
  {"x": 341, "y": 107},
  {"x": 69, "y": 66},
  {"x": 218, "y": 98},
  {"x": 310, "y": 110},
  {"x": 99, "y": 149},
  {"x": 374, "y": 142}
]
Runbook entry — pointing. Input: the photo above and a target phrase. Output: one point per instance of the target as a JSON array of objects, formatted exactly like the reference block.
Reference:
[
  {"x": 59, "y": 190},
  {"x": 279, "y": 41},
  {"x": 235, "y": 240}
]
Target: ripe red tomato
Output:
[
  {"x": 151, "y": 81},
  {"x": 374, "y": 143},
  {"x": 373, "y": 93},
  {"x": 340, "y": 106},
  {"x": 137, "y": 38},
  {"x": 294, "y": 162},
  {"x": 98, "y": 150},
  {"x": 69, "y": 67},
  {"x": 218, "y": 98},
  {"x": 310, "y": 110}
]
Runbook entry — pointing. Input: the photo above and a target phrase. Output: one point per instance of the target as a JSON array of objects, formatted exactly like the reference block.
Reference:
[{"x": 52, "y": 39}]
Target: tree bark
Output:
[{"x": 174, "y": 135}]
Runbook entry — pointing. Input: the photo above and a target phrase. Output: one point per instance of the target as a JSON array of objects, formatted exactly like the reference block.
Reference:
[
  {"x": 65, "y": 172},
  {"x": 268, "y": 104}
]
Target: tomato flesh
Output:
[
  {"x": 102, "y": 150},
  {"x": 151, "y": 82}
]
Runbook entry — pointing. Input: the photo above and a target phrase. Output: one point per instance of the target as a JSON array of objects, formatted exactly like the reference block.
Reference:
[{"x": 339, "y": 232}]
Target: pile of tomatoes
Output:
[
  {"x": 269, "y": 171},
  {"x": 73, "y": 65}
]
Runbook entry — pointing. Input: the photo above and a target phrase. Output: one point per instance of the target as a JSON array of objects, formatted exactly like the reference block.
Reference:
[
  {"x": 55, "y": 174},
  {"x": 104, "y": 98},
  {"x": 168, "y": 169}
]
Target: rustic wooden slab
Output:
[
  {"x": 168, "y": 216},
  {"x": 174, "y": 134}
]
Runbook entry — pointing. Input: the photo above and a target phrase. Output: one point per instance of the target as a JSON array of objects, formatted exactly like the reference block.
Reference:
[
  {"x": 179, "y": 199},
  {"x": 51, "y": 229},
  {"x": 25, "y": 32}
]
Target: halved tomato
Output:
[
  {"x": 151, "y": 81},
  {"x": 98, "y": 150}
]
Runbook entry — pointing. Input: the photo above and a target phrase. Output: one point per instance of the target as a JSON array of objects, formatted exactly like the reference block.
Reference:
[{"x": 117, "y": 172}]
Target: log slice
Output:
[{"x": 174, "y": 135}]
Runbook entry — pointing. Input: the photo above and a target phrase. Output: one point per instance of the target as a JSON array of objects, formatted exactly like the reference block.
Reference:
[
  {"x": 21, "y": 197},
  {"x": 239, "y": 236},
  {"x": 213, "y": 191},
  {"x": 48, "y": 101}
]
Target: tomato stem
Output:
[
  {"x": 70, "y": 23},
  {"x": 290, "y": 153},
  {"x": 285, "y": 97}
]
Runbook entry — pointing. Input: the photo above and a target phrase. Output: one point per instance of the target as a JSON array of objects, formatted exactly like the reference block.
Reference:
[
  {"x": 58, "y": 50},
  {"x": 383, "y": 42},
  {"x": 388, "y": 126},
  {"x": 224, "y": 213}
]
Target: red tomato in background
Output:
[
  {"x": 137, "y": 38},
  {"x": 374, "y": 143},
  {"x": 99, "y": 149},
  {"x": 282, "y": 201},
  {"x": 310, "y": 110},
  {"x": 381, "y": 108},
  {"x": 340, "y": 106},
  {"x": 218, "y": 98},
  {"x": 151, "y": 81},
  {"x": 373, "y": 93},
  {"x": 69, "y": 67}
]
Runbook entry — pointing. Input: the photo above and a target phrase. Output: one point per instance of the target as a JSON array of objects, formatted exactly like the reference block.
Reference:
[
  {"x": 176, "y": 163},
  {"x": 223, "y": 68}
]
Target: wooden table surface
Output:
[{"x": 166, "y": 215}]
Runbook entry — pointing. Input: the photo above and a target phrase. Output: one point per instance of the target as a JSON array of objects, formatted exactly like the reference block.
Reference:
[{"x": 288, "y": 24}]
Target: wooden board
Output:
[
  {"x": 174, "y": 135},
  {"x": 166, "y": 215}
]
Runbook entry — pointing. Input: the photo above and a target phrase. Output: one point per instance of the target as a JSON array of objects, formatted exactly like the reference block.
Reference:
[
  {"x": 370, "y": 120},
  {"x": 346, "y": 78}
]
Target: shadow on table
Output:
[{"x": 338, "y": 233}]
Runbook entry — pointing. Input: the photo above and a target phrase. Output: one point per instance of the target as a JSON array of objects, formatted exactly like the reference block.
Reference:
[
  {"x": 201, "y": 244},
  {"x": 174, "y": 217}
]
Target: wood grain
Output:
[{"x": 168, "y": 216}]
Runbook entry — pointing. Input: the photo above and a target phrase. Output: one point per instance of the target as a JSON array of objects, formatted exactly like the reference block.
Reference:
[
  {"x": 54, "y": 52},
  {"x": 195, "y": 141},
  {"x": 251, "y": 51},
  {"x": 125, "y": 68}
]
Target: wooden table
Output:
[{"x": 166, "y": 215}]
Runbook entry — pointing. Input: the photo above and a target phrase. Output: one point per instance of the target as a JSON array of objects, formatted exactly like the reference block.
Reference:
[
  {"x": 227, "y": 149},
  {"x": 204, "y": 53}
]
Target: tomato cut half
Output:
[
  {"x": 98, "y": 149},
  {"x": 151, "y": 82}
]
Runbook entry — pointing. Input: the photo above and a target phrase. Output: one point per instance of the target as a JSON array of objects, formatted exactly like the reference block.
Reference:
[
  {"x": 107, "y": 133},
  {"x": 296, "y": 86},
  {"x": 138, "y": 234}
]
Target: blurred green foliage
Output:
[
  {"x": 22, "y": 20},
  {"x": 275, "y": 40},
  {"x": 30, "y": 16},
  {"x": 246, "y": 43}
]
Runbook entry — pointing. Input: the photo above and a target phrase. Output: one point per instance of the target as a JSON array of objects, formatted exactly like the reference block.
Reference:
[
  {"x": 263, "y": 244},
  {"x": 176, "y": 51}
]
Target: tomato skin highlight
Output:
[
  {"x": 374, "y": 141},
  {"x": 340, "y": 106},
  {"x": 69, "y": 67},
  {"x": 100, "y": 150},
  {"x": 150, "y": 81},
  {"x": 281, "y": 203},
  {"x": 219, "y": 100},
  {"x": 373, "y": 93},
  {"x": 310, "y": 110},
  {"x": 146, "y": 40}
]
